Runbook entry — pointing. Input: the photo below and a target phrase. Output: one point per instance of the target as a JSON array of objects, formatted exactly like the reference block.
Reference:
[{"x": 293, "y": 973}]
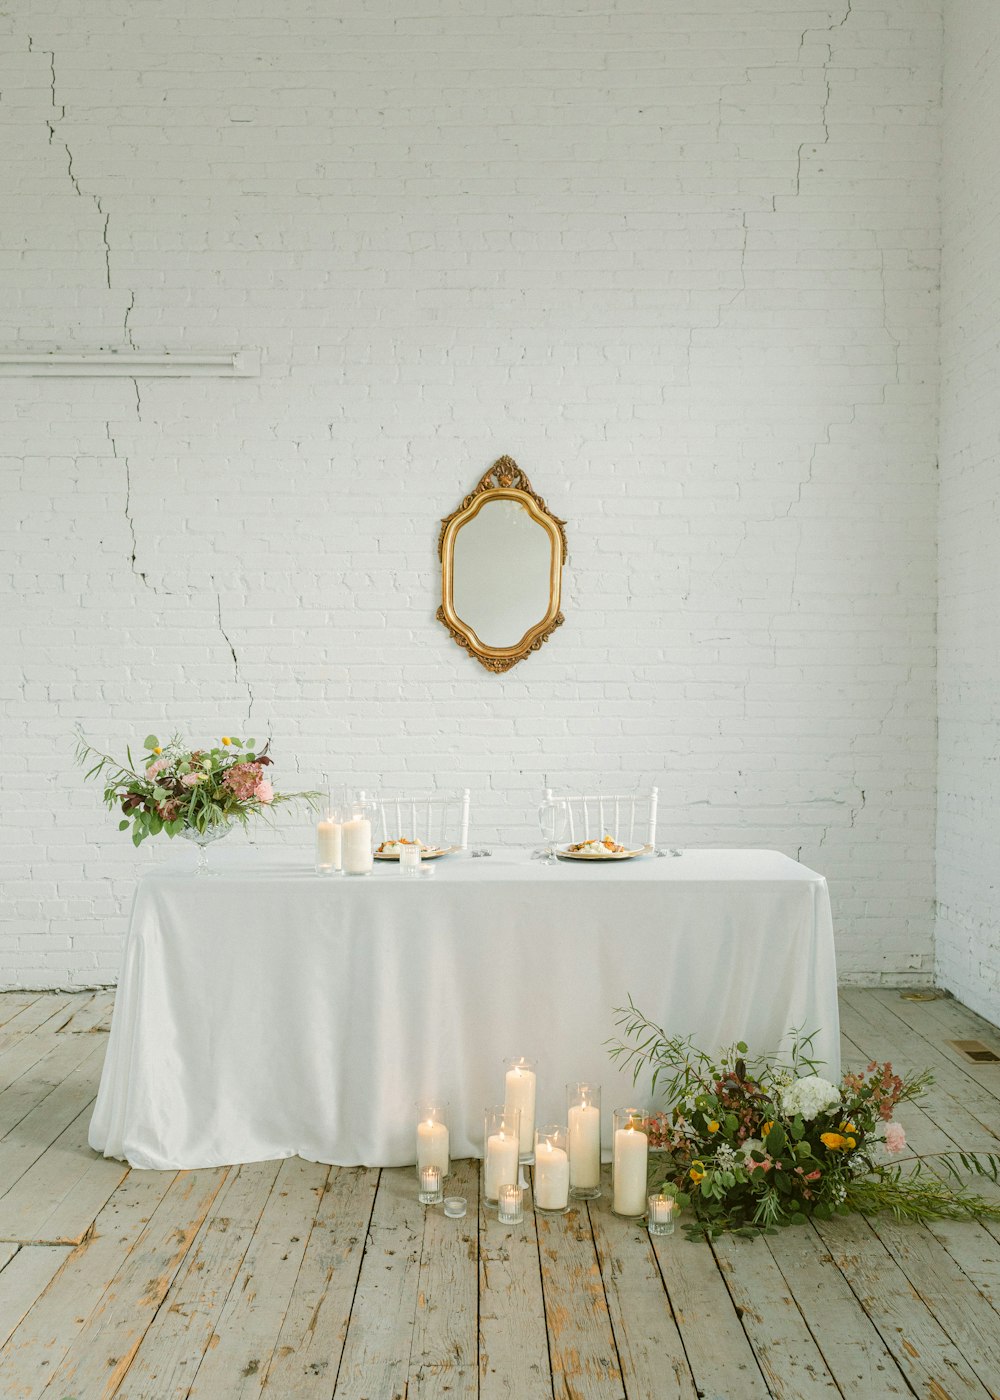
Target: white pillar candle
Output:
[
  {"x": 432, "y": 1146},
  {"x": 357, "y": 846},
  {"x": 501, "y": 1163},
  {"x": 551, "y": 1177},
  {"x": 328, "y": 844},
  {"x": 584, "y": 1146},
  {"x": 520, "y": 1093},
  {"x": 629, "y": 1171}
]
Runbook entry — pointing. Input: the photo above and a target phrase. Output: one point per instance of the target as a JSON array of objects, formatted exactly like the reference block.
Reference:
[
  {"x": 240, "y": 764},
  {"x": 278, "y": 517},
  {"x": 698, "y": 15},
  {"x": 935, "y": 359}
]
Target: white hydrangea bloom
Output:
[{"x": 809, "y": 1096}]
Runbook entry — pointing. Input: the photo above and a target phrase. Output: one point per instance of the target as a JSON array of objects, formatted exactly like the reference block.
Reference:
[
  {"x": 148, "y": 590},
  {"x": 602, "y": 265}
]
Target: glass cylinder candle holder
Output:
[
  {"x": 551, "y": 1175},
  {"x": 500, "y": 1160},
  {"x": 510, "y": 1206},
  {"x": 629, "y": 1161},
  {"x": 519, "y": 1093},
  {"x": 661, "y": 1215},
  {"x": 583, "y": 1111},
  {"x": 409, "y": 860},
  {"x": 432, "y": 1137},
  {"x": 329, "y": 829},
  {"x": 430, "y": 1186},
  {"x": 356, "y": 837}
]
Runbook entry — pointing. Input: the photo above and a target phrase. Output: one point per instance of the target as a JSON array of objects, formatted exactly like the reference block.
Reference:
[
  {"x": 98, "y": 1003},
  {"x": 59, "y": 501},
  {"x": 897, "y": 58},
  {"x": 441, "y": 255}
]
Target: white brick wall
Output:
[
  {"x": 968, "y": 921},
  {"x": 679, "y": 260}
]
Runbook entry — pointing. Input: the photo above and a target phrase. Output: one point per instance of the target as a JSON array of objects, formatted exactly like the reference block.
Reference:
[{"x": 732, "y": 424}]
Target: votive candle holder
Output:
[
  {"x": 660, "y": 1215},
  {"x": 510, "y": 1206},
  {"x": 430, "y": 1186}
]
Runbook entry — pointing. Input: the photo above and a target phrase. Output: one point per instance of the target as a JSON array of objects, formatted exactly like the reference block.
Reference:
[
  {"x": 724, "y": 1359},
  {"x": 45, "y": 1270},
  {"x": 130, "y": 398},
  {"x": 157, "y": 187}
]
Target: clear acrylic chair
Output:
[
  {"x": 630, "y": 818},
  {"x": 439, "y": 819}
]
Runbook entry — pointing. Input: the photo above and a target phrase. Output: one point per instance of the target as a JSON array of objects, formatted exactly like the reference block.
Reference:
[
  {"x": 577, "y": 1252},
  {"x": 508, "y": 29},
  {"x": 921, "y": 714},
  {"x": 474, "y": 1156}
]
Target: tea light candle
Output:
[
  {"x": 519, "y": 1085},
  {"x": 328, "y": 846},
  {"x": 356, "y": 838},
  {"x": 510, "y": 1205},
  {"x": 501, "y": 1163},
  {"x": 631, "y": 1148},
  {"x": 433, "y": 1146},
  {"x": 661, "y": 1215},
  {"x": 430, "y": 1186},
  {"x": 551, "y": 1177},
  {"x": 584, "y": 1147}
]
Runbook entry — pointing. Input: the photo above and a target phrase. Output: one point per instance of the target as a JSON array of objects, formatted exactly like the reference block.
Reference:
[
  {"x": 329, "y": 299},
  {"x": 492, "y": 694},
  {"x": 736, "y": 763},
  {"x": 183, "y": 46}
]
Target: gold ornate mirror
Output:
[{"x": 502, "y": 554}]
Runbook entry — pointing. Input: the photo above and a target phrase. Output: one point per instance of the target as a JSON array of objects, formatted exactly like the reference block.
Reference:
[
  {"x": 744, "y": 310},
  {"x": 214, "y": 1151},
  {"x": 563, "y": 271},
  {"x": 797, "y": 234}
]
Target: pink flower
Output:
[
  {"x": 243, "y": 779},
  {"x": 264, "y": 792},
  {"x": 895, "y": 1137},
  {"x": 192, "y": 779},
  {"x": 157, "y": 766}
]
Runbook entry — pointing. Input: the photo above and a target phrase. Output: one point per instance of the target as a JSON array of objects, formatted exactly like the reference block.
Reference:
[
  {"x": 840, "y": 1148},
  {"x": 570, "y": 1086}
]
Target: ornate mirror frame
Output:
[{"x": 504, "y": 481}]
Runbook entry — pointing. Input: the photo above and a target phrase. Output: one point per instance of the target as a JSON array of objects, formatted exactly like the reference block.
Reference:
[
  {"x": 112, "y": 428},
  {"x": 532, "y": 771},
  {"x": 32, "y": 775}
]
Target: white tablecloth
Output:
[{"x": 268, "y": 1012}]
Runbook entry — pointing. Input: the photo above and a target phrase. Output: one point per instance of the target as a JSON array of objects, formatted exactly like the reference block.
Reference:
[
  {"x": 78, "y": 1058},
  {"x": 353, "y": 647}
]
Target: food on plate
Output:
[
  {"x": 399, "y": 843},
  {"x": 607, "y": 846}
]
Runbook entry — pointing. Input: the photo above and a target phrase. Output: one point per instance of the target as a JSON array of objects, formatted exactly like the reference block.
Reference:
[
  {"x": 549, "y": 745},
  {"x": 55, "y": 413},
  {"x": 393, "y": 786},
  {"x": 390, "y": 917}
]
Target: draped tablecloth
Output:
[{"x": 269, "y": 1012}]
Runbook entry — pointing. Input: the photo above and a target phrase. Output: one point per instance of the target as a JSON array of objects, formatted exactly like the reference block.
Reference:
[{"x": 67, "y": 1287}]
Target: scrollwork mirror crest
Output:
[{"x": 502, "y": 553}]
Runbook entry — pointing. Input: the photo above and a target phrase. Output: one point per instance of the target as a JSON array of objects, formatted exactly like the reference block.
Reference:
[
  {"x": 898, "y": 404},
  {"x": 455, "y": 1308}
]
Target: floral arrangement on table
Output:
[
  {"x": 750, "y": 1144},
  {"x": 174, "y": 789}
]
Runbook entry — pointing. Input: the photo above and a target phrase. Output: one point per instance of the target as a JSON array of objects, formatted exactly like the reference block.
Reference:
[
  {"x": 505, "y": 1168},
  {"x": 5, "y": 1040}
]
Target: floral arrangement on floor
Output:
[
  {"x": 751, "y": 1144},
  {"x": 174, "y": 789}
]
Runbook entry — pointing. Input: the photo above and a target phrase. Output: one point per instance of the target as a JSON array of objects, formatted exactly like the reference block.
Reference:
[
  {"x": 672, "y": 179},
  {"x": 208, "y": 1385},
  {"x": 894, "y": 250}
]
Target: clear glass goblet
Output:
[{"x": 553, "y": 820}]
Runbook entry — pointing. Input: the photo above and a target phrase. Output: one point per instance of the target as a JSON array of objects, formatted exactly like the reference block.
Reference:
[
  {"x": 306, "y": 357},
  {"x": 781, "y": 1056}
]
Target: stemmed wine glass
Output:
[{"x": 553, "y": 820}]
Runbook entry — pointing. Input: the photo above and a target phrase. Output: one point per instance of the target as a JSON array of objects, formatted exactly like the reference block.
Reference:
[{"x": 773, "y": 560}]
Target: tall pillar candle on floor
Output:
[
  {"x": 519, "y": 1093},
  {"x": 500, "y": 1161},
  {"x": 583, "y": 1103},
  {"x": 432, "y": 1137},
  {"x": 630, "y": 1158}
]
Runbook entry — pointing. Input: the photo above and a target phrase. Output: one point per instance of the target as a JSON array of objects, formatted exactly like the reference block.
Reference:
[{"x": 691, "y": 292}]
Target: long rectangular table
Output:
[{"x": 268, "y": 1012}]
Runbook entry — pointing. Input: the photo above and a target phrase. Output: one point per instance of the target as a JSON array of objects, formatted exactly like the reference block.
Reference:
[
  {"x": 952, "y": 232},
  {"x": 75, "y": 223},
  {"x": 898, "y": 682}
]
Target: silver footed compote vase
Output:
[{"x": 203, "y": 839}]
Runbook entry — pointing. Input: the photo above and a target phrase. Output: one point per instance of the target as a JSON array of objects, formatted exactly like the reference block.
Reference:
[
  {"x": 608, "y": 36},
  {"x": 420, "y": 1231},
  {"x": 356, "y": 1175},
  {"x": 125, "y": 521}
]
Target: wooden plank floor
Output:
[{"x": 288, "y": 1279}]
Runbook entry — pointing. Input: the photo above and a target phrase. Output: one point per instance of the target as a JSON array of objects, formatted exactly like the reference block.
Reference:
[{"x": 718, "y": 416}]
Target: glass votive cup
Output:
[
  {"x": 409, "y": 860},
  {"x": 519, "y": 1092},
  {"x": 455, "y": 1207},
  {"x": 551, "y": 1174},
  {"x": 661, "y": 1215},
  {"x": 583, "y": 1114},
  {"x": 430, "y": 1186},
  {"x": 500, "y": 1160},
  {"x": 629, "y": 1162},
  {"x": 433, "y": 1142},
  {"x": 510, "y": 1206}
]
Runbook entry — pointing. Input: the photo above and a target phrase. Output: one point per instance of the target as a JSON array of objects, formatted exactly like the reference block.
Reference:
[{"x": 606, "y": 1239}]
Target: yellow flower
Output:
[
  {"x": 833, "y": 1141},
  {"x": 226, "y": 740},
  {"x": 851, "y": 1142},
  {"x": 697, "y": 1172},
  {"x": 157, "y": 750},
  {"x": 848, "y": 1128},
  {"x": 713, "y": 1127},
  {"x": 766, "y": 1128}
]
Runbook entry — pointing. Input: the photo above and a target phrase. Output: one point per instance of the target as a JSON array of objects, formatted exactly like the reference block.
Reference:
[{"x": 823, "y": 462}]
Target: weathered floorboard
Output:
[
  {"x": 443, "y": 1355},
  {"x": 307, "y": 1354},
  {"x": 513, "y": 1346},
  {"x": 56, "y": 1199},
  {"x": 23, "y": 1279}
]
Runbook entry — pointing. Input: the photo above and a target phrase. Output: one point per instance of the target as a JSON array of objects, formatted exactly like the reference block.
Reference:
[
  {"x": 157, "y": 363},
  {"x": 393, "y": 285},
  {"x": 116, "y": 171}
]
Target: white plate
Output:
[
  {"x": 426, "y": 853},
  {"x": 564, "y": 853}
]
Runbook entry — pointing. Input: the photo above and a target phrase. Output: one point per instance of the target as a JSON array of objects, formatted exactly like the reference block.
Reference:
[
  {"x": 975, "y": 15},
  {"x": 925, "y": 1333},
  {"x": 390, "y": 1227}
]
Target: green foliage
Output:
[
  {"x": 187, "y": 789},
  {"x": 757, "y": 1143}
]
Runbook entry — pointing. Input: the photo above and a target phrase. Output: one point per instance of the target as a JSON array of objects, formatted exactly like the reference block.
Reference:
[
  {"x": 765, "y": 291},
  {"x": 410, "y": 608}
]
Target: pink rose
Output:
[
  {"x": 264, "y": 792},
  {"x": 895, "y": 1137},
  {"x": 157, "y": 766},
  {"x": 192, "y": 779}
]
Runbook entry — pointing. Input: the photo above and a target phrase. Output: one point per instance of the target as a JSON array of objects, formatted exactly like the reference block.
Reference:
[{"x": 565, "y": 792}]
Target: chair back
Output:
[
  {"x": 439, "y": 819},
  {"x": 630, "y": 818}
]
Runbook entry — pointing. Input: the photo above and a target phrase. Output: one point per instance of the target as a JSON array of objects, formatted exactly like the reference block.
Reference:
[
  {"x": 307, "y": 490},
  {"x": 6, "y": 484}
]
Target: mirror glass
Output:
[{"x": 502, "y": 567}]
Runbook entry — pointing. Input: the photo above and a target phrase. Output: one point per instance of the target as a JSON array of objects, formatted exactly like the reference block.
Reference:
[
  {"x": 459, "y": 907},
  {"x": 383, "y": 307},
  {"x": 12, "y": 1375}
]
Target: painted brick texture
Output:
[
  {"x": 680, "y": 261},
  {"x": 968, "y": 843}
]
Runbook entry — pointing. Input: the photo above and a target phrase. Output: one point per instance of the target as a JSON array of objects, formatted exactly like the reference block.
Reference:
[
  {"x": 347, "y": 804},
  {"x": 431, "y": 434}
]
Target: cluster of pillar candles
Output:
[{"x": 566, "y": 1157}]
